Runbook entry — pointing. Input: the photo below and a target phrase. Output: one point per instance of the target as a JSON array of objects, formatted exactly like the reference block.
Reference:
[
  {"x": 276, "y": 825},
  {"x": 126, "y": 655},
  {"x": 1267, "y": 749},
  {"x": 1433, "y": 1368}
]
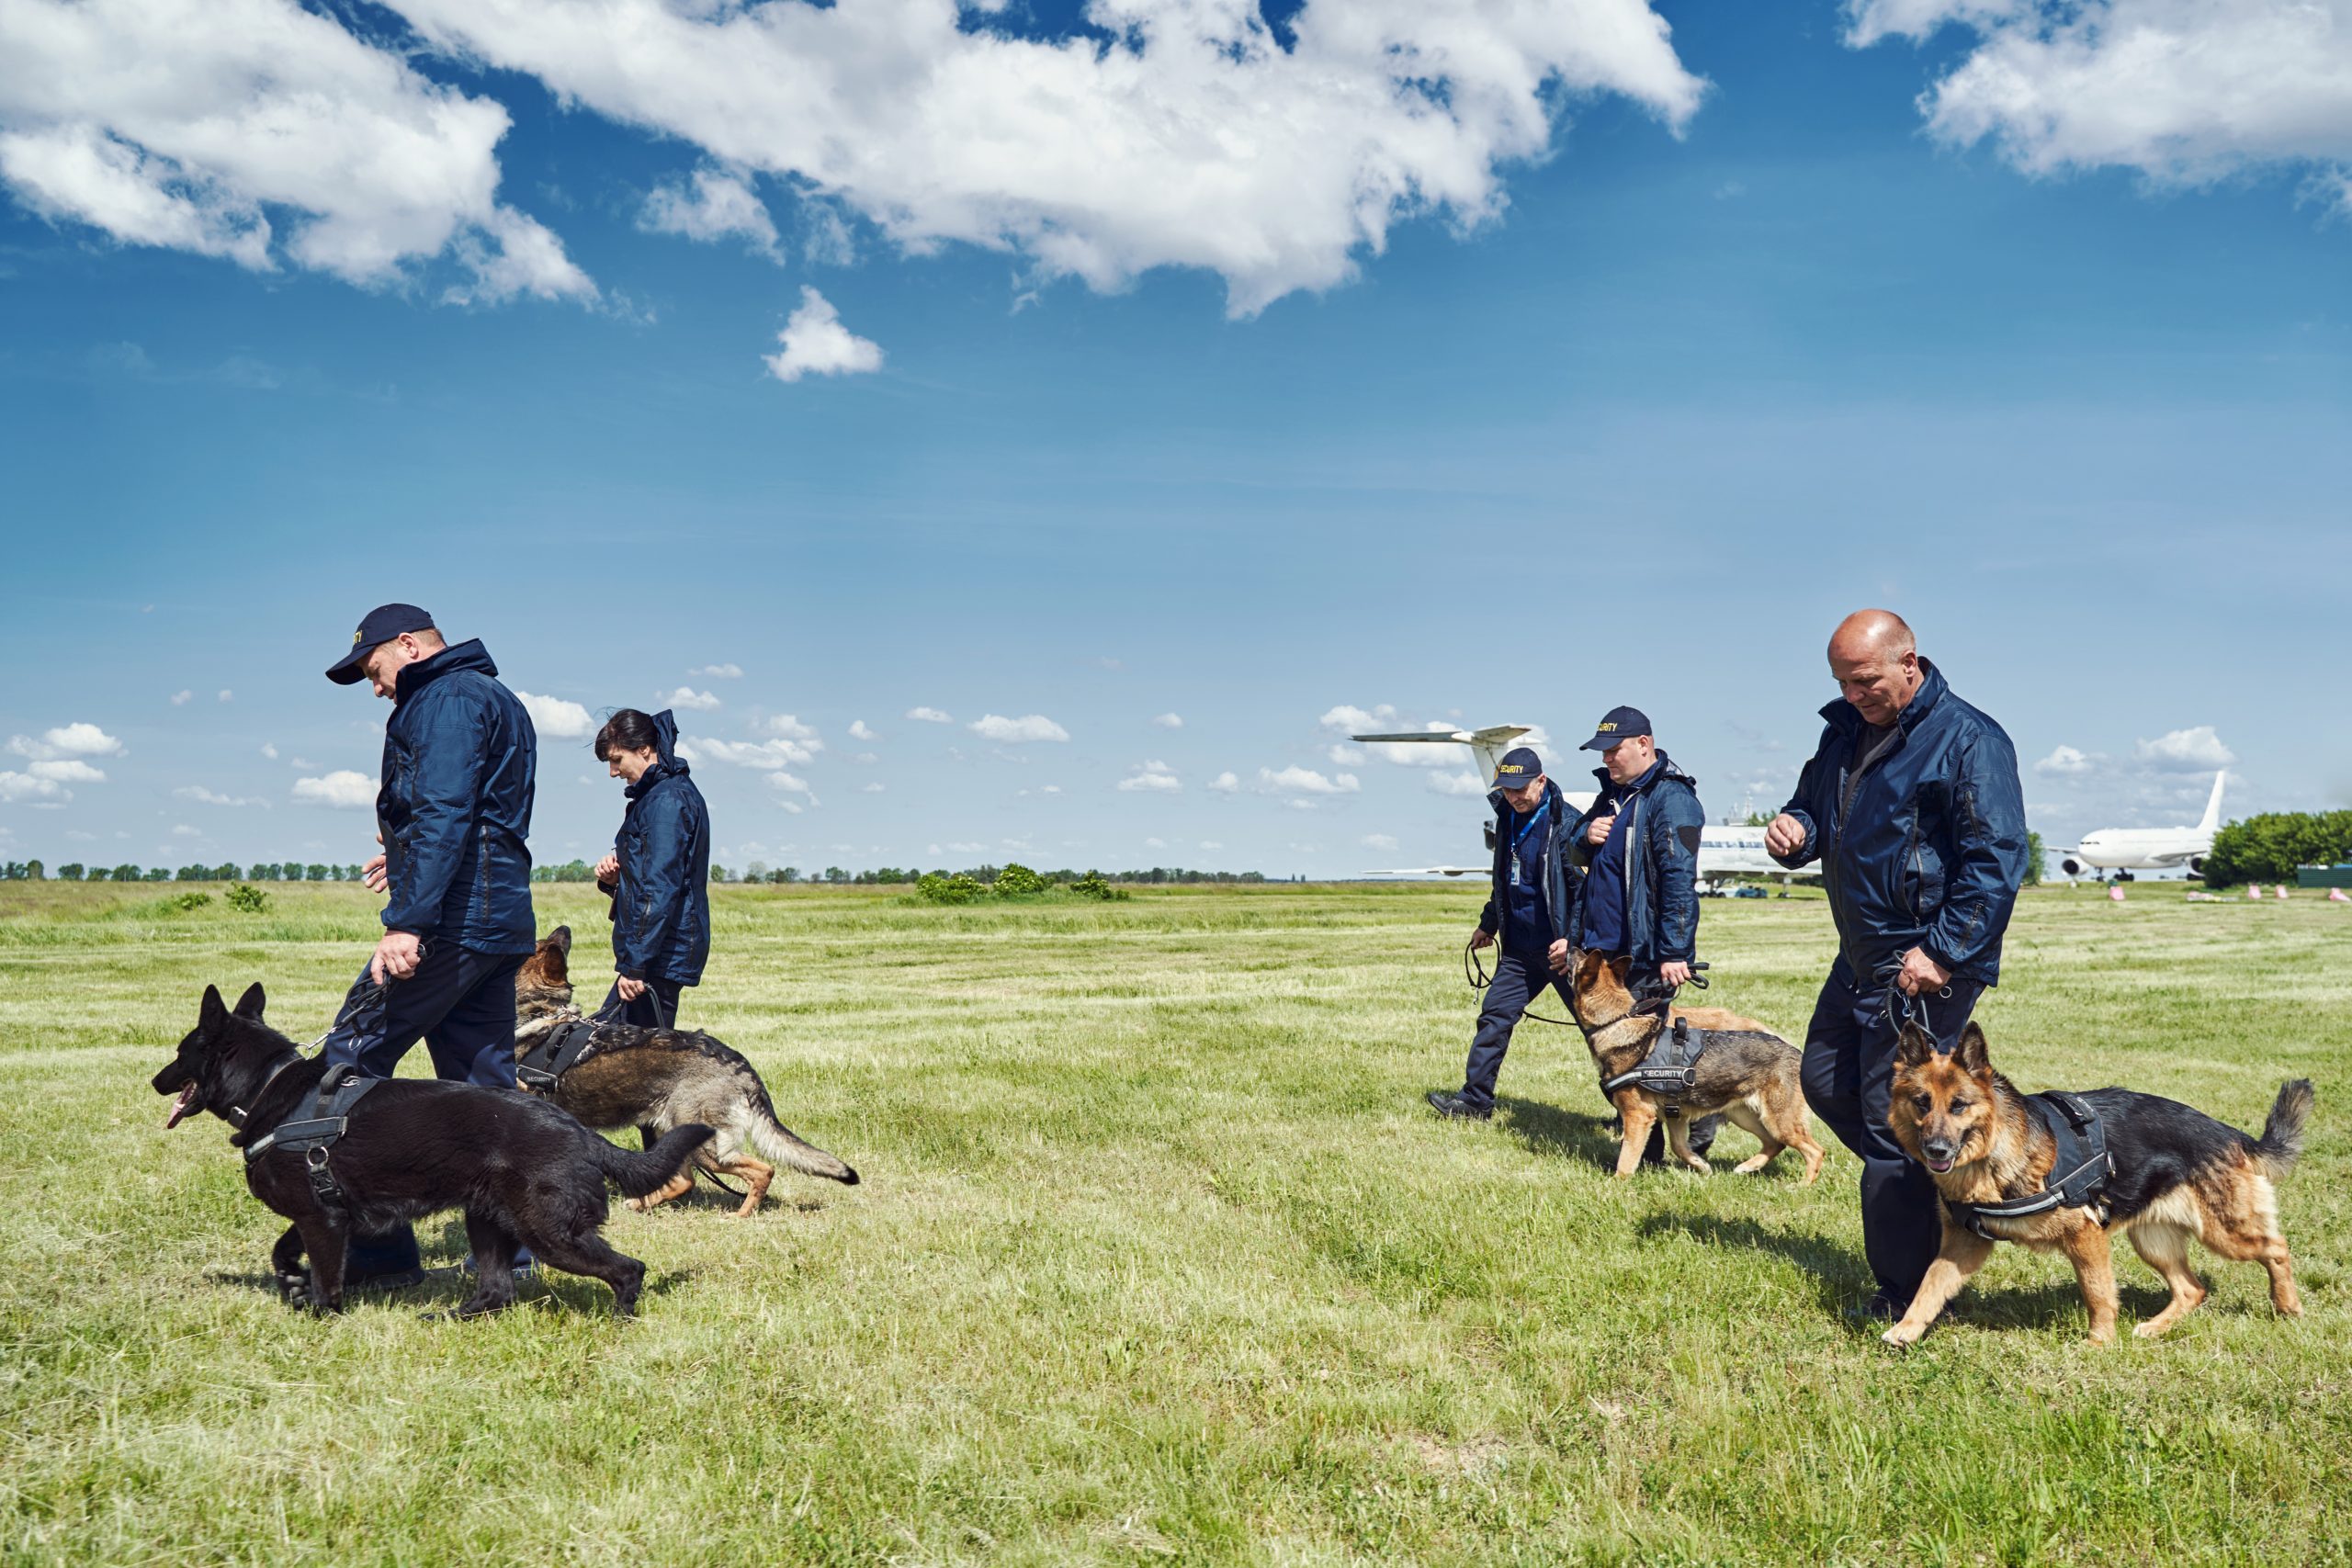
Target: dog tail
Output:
[
  {"x": 639, "y": 1172},
  {"x": 2281, "y": 1143},
  {"x": 781, "y": 1144}
]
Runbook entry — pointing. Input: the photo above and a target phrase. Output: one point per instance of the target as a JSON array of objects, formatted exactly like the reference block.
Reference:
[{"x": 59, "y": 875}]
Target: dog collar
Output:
[{"x": 238, "y": 1113}]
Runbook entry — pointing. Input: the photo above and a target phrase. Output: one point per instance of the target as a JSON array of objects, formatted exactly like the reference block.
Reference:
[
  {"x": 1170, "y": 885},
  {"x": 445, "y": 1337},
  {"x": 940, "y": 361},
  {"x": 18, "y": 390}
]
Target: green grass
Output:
[{"x": 1158, "y": 1257}]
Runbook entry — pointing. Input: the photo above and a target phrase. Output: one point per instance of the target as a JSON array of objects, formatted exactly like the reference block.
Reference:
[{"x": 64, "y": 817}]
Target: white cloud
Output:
[
  {"x": 859, "y": 730},
  {"x": 1010, "y": 731},
  {"x": 1049, "y": 789},
  {"x": 720, "y": 204},
  {"x": 180, "y": 697},
  {"x": 213, "y": 797},
  {"x": 1186, "y": 136},
  {"x": 868, "y": 758},
  {"x": 269, "y": 751},
  {"x": 790, "y": 783},
  {"x": 687, "y": 697},
  {"x": 2068, "y": 762},
  {"x": 1295, "y": 780},
  {"x": 1155, "y": 844},
  {"x": 207, "y": 125},
  {"x": 2184, "y": 751},
  {"x": 1377, "y": 841},
  {"x": 182, "y": 831},
  {"x": 815, "y": 343},
  {"x": 227, "y": 695},
  {"x": 15, "y": 787},
  {"x": 1153, "y": 777},
  {"x": 343, "y": 789},
  {"x": 1456, "y": 783},
  {"x": 967, "y": 849},
  {"x": 1211, "y": 844},
  {"x": 874, "y": 788},
  {"x": 762, "y": 754},
  {"x": 792, "y": 805},
  {"x": 1347, "y": 719},
  {"x": 2186, "y": 91},
  {"x": 1347, "y": 756},
  {"x": 1225, "y": 783},
  {"x": 553, "y": 717},
  {"x": 66, "y": 770},
  {"x": 67, "y": 740},
  {"x": 929, "y": 715},
  {"x": 720, "y": 671},
  {"x": 785, "y": 726},
  {"x": 1168, "y": 721}
]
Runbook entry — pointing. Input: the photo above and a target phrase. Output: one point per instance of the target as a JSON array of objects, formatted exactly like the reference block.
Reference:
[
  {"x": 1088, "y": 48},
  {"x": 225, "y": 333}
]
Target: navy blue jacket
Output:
[
  {"x": 454, "y": 808},
  {"x": 1558, "y": 878},
  {"x": 661, "y": 904},
  {"x": 1661, "y": 845},
  {"x": 1933, "y": 853}
]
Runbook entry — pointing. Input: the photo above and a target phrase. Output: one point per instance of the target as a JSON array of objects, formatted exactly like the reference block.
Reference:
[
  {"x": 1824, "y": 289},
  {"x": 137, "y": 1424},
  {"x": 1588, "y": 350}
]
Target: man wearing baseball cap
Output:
[
  {"x": 1529, "y": 909},
  {"x": 452, "y": 814},
  {"x": 1638, "y": 847}
]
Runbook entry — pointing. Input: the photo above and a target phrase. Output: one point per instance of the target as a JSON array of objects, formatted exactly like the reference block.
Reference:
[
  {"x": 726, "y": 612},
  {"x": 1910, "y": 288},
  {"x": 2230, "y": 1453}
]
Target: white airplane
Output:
[
  {"x": 1725, "y": 851},
  {"x": 2126, "y": 850}
]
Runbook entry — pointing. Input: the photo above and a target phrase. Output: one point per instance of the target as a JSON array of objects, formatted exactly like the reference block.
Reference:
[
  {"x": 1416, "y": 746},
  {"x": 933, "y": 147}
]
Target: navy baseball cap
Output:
[
  {"x": 1617, "y": 724},
  {"x": 1520, "y": 767},
  {"x": 380, "y": 625}
]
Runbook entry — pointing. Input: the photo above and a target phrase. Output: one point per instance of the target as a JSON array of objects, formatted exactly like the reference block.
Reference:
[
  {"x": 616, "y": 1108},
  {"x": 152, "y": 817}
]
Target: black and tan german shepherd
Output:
[
  {"x": 524, "y": 1172},
  {"x": 2178, "y": 1173},
  {"x": 1747, "y": 1072},
  {"x": 658, "y": 1080}
]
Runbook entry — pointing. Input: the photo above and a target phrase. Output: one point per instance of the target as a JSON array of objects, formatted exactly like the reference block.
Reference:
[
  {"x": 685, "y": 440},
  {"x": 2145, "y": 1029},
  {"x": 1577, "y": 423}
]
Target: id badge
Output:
[{"x": 1514, "y": 870}]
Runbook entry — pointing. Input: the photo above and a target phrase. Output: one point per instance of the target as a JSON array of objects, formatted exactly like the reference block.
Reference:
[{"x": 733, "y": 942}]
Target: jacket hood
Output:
[
  {"x": 1664, "y": 768},
  {"x": 467, "y": 655},
  {"x": 665, "y": 748},
  {"x": 1923, "y": 701}
]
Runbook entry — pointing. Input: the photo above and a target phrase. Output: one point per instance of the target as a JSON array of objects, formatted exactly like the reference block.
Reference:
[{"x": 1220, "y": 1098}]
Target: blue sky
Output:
[{"x": 1767, "y": 322}]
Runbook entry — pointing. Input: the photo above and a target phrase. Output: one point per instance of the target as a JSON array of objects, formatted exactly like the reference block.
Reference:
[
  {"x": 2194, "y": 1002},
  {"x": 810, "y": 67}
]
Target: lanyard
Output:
[{"x": 1521, "y": 837}]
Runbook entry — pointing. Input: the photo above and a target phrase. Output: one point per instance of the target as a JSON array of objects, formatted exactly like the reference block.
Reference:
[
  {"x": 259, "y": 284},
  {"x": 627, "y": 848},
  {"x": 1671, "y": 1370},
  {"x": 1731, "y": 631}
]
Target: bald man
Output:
[{"x": 1912, "y": 805}]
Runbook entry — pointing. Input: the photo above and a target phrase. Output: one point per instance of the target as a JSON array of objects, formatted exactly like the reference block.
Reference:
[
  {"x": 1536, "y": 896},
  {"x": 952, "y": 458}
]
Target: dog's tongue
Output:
[{"x": 181, "y": 1107}]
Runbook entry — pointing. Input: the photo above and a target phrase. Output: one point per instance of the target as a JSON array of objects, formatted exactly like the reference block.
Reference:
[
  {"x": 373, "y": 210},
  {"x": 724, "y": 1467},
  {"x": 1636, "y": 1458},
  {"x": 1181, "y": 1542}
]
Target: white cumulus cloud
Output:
[
  {"x": 785, "y": 726},
  {"x": 687, "y": 697},
  {"x": 67, "y": 740},
  {"x": 1224, "y": 783},
  {"x": 180, "y": 697},
  {"x": 553, "y": 717},
  {"x": 66, "y": 770},
  {"x": 815, "y": 343},
  {"x": 1008, "y": 731},
  {"x": 766, "y": 755},
  {"x": 720, "y": 671},
  {"x": 2184, "y": 751},
  {"x": 1154, "y": 777},
  {"x": 269, "y": 751},
  {"x": 1168, "y": 721},
  {"x": 1347, "y": 719},
  {"x": 213, "y": 797},
  {"x": 343, "y": 789},
  {"x": 859, "y": 730},
  {"x": 1295, "y": 780},
  {"x": 2066, "y": 761},
  {"x": 15, "y": 787},
  {"x": 715, "y": 203},
  {"x": 1184, "y": 134},
  {"x": 1456, "y": 783},
  {"x": 263, "y": 132},
  {"x": 2186, "y": 92},
  {"x": 1377, "y": 841},
  {"x": 930, "y": 715}
]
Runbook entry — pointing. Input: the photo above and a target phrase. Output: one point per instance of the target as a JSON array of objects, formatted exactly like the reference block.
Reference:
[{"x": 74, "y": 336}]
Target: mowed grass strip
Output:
[{"x": 1158, "y": 1257}]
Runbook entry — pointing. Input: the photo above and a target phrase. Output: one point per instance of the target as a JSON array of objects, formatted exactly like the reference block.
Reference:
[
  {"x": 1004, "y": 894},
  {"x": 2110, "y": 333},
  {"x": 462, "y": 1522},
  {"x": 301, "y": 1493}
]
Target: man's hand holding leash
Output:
[
  {"x": 396, "y": 957},
  {"x": 1481, "y": 938},
  {"x": 1920, "y": 973}
]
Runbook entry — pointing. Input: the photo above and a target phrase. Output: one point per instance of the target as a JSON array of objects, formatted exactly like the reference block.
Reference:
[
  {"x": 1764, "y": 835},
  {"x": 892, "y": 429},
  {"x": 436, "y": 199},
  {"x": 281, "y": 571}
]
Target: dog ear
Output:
[
  {"x": 1971, "y": 1055},
  {"x": 1915, "y": 1048},
  {"x": 1621, "y": 967},
  {"x": 214, "y": 1012},
  {"x": 560, "y": 938},
  {"x": 252, "y": 1003}
]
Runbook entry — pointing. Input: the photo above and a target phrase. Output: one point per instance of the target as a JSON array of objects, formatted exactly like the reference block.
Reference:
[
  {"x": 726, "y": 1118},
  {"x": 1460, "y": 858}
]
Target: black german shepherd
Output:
[{"x": 523, "y": 1171}]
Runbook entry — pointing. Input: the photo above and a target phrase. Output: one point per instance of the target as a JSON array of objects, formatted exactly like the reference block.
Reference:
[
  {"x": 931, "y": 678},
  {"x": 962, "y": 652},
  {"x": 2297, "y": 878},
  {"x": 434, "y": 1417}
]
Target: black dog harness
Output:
[
  {"x": 541, "y": 1066},
  {"x": 314, "y": 1134},
  {"x": 2079, "y": 1174},
  {"x": 1670, "y": 1070}
]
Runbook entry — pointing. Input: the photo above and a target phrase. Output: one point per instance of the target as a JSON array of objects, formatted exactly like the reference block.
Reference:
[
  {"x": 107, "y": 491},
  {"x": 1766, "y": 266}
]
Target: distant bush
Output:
[
  {"x": 957, "y": 889},
  {"x": 247, "y": 899},
  {"x": 2269, "y": 847},
  {"x": 1017, "y": 881},
  {"x": 1091, "y": 886},
  {"x": 187, "y": 901}
]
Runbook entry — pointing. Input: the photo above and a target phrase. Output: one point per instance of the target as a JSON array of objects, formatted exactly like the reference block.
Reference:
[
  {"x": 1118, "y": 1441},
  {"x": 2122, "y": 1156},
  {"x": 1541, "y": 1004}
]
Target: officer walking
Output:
[
  {"x": 1912, "y": 806},
  {"x": 1638, "y": 845},
  {"x": 453, "y": 814},
  {"x": 1532, "y": 898}
]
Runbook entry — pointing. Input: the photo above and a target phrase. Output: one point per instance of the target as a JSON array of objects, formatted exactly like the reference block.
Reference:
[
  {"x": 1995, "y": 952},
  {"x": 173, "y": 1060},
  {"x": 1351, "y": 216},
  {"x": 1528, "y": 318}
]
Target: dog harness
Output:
[
  {"x": 314, "y": 1134},
  {"x": 1669, "y": 1071},
  {"x": 542, "y": 1065},
  {"x": 2079, "y": 1174}
]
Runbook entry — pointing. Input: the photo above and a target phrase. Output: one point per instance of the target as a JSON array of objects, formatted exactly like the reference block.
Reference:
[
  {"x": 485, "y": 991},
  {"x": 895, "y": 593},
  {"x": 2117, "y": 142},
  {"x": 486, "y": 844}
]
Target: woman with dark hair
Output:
[{"x": 658, "y": 876}]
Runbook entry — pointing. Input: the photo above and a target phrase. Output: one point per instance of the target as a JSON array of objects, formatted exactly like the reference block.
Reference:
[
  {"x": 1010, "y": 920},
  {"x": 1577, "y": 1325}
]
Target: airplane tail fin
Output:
[{"x": 2212, "y": 820}]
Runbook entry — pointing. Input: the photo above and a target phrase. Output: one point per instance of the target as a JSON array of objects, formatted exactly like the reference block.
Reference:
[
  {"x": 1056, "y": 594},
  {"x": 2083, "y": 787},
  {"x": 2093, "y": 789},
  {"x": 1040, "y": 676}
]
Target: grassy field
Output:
[{"x": 1158, "y": 1256}]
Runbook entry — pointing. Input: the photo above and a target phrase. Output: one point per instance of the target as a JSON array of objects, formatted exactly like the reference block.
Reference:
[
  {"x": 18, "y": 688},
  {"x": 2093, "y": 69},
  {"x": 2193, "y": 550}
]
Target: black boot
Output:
[{"x": 1453, "y": 1108}]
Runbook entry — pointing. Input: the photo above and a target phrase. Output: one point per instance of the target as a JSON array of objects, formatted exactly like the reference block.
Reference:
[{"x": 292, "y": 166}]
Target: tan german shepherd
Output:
[
  {"x": 2176, "y": 1173},
  {"x": 1747, "y": 1072},
  {"x": 654, "y": 1079}
]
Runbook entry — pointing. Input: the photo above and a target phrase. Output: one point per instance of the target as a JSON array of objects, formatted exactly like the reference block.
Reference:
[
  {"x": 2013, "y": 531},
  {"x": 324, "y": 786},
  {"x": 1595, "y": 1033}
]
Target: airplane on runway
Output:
[
  {"x": 2126, "y": 850},
  {"x": 1725, "y": 850}
]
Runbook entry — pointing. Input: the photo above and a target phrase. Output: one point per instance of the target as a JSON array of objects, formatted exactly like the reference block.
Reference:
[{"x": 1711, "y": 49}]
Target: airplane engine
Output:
[
  {"x": 2072, "y": 867},
  {"x": 2196, "y": 865}
]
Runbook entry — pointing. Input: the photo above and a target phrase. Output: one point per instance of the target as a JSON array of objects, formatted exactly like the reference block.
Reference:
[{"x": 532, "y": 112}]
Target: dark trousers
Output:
[
  {"x": 656, "y": 1007},
  {"x": 1848, "y": 1081},
  {"x": 1523, "y": 973},
  {"x": 461, "y": 1004}
]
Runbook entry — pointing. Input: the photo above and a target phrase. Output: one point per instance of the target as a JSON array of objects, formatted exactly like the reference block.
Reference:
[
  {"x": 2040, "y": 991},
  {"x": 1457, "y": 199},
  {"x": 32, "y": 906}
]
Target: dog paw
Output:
[
  {"x": 1902, "y": 1336},
  {"x": 2149, "y": 1330}
]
